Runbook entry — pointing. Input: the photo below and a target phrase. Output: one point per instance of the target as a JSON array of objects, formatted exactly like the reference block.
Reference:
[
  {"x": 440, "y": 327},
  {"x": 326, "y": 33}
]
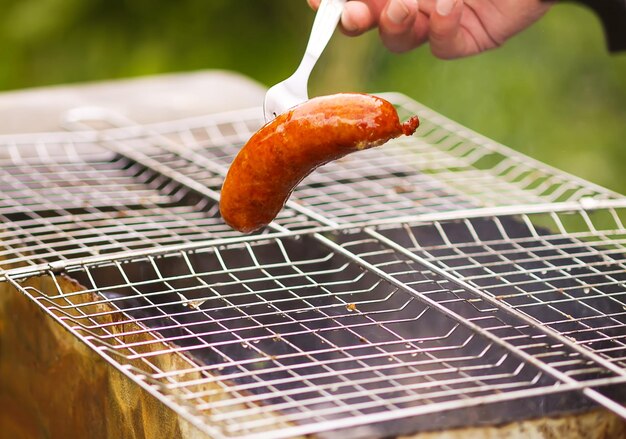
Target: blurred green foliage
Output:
[{"x": 552, "y": 92}]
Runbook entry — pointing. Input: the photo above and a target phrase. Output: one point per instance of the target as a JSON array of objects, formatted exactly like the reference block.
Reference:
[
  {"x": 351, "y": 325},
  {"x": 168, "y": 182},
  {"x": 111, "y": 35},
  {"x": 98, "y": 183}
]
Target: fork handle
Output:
[{"x": 324, "y": 26}]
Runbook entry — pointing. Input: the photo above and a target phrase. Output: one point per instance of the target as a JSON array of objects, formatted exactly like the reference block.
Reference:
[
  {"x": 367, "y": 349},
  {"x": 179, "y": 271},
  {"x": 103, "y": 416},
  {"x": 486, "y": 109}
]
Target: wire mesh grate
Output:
[
  {"x": 407, "y": 288},
  {"x": 292, "y": 331},
  {"x": 562, "y": 270},
  {"x": 68, "y": 199}
]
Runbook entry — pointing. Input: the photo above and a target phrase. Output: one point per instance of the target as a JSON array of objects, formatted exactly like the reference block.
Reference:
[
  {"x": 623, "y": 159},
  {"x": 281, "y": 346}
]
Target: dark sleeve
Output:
[{"x": 612, "y": 13}]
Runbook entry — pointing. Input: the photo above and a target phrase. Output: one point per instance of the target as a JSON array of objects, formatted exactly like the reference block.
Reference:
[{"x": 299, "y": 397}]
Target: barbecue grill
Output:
[{"x": 440, "y": 281}]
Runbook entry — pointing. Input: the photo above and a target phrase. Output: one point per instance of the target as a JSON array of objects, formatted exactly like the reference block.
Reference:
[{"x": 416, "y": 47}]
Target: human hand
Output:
[{"x": 454, "y": 28}]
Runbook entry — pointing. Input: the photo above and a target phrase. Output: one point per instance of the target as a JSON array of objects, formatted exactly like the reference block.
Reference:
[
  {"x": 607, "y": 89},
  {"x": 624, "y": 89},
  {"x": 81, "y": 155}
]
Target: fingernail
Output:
[
  {"x": 444, "y": 7},
  {"x": 397, "y": 11}
]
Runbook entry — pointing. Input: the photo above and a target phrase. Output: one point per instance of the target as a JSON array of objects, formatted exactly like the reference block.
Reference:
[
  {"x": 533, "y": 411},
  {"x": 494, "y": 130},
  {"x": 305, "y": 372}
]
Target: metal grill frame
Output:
[{"x": 460, "y": 160}]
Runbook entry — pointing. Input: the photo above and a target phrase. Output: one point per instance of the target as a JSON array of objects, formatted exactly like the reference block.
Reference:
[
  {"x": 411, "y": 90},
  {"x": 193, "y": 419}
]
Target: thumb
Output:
[{"x": 446, "y": 38}]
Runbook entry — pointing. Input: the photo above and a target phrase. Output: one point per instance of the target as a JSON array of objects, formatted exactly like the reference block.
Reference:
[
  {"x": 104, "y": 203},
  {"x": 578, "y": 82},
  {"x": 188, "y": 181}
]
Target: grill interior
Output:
[{"x": 440, "y": 281}]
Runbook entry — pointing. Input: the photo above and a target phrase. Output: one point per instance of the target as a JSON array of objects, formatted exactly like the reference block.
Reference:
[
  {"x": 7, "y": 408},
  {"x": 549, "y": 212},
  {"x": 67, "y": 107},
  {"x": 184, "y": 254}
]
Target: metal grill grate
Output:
[
  {"x": 70, "y": 198},
  {"x": 402, "y": 289},
  {"x": 573, "y": 281}
]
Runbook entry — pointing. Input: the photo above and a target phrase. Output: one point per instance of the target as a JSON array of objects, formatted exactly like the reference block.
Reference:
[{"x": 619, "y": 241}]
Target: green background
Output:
[{"x": 552, "y": 92}]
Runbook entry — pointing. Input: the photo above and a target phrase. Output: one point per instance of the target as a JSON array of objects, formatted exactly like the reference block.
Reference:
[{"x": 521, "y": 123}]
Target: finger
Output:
[
  {"x": 357, "y": 18},
  {"x": 398, "y": 22},
  {"x": 446, "y": 38},
  {"x": 360, "y": 16}
]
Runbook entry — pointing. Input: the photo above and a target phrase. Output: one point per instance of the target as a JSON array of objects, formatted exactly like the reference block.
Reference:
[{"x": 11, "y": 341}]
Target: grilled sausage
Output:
[{"x": 287, "y": 149}]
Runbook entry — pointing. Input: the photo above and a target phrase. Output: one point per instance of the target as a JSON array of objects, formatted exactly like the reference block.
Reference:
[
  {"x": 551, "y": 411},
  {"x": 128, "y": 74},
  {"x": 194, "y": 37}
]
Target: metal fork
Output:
[{"x": 294, "y": 90}]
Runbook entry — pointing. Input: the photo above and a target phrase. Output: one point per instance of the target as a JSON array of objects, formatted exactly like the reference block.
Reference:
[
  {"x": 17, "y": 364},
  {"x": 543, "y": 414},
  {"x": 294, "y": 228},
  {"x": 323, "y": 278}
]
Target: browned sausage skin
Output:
[{"x": 287, "y": 149}]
